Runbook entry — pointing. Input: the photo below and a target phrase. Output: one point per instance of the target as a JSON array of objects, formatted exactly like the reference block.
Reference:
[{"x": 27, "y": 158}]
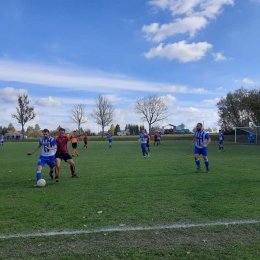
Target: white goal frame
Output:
[{"x": 254, "y": 129}]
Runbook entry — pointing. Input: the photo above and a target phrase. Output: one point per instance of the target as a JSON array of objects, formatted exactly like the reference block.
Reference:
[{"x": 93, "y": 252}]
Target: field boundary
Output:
[{"x": 124, "y": 229}]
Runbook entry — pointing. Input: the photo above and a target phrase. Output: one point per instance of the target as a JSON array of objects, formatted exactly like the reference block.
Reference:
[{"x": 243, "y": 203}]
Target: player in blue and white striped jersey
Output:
[
  {"x": 201, "y": 141},
  {"x": 143, "y": 137},
  {"x": 49, "y": 147},
  {"x": 220, "y": 141},
  {"x": 110, "y": 139}
]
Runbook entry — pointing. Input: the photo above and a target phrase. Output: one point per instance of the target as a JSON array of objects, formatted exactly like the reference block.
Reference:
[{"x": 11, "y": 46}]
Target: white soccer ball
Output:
[{"x": 41, "y": 183}]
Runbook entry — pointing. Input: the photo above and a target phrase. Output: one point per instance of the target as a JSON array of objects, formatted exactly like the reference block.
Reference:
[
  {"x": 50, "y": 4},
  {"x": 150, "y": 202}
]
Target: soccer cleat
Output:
[
  {"x": 148, "y": 155},
  {"x": 208, "y": 171},
  {"x": 198, "y": 170},
  {"x": 51, "y": 175},
  {"x": 144, "y": 157},
  {"x": 57, "y": 179},
  {"x": 75, "y": 176},
  {"x": 35, "y": 185}
]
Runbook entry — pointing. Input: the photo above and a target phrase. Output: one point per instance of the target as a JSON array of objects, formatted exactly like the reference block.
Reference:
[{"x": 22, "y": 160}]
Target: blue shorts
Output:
[
  {"x": 221, "y": 142},
  {"x": 50, "y": 160},
  {"x": 143, "y": 145},
  {"x": 203, "y": 151},
  {"x": 110, "y": 140}
]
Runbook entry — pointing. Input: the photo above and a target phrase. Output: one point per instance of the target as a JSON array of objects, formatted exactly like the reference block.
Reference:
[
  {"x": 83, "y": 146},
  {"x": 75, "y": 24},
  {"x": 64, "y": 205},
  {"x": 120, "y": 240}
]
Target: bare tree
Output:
[
  {"x": 103, "y": 112},
  {"x": 152, "y": 109},
  {"x": 25, "y": 113},
  {"x": 78, "y": 115}
]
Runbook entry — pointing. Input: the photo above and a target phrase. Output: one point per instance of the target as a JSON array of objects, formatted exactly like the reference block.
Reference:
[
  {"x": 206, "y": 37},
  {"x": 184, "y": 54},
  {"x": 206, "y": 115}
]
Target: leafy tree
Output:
[
  {"x": 4, "y": 130},
  {"x": 103, "y": 112},
  {"x": 117, "y": 129},
  {"x": 24, "y": 113},
  {"x": 78, "y": 115},
  {"x": 239, "y": 109},
  {"x": 37, "y": 127},
  {"x": 112, "y": 129},
  {"x": 152, "y": 109},
  {"x": 11, "y": 127}
]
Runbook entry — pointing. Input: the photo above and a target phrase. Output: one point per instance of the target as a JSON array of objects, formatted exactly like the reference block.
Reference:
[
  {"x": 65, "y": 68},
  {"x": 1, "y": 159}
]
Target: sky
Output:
[{"x": 62, "y": 53}]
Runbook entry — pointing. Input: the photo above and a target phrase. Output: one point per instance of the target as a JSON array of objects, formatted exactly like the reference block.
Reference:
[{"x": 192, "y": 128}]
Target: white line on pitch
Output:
[{"x": 120, "y": 229}]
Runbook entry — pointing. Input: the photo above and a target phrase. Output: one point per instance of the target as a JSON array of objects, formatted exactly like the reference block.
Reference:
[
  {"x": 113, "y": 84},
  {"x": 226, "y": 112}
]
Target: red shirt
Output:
[
  {"x": 85, "y": 138},
  {"x": 62, "y": 143}
]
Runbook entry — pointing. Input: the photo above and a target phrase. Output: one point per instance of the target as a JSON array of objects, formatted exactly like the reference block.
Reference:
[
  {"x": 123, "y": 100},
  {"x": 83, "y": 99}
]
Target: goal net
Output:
[{"x": 247, "y": 135}]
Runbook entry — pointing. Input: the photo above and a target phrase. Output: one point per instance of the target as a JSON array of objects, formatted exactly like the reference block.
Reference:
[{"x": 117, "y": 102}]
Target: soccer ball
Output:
[{"x": 41, "y": 183}]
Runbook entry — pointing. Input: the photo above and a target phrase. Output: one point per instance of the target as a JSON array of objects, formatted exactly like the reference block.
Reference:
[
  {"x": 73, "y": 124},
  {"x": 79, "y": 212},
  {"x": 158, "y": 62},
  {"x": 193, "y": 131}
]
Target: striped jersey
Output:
[
  {"x": 201, "y": 138},
  {"x": 221, "y": 137},
  {"x": 47, "y": 142},
  {"x": 143, "y": 138}
]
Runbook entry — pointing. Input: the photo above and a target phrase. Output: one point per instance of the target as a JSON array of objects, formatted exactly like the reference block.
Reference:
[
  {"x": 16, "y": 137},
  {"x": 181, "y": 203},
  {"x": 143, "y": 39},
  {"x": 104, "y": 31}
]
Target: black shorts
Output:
[
  {"x": 74, "y": 145},
  {"x": 148, "y": 144},
  {"x": 63, "y": 156},
  {"x": 85, "y": 142}
]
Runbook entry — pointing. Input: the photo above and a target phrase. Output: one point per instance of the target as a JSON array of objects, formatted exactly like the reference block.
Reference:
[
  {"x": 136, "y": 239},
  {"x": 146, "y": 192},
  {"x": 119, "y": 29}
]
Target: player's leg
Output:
[
  {"x": 75, "y": 147},
  {"x": 196, "y": 158},
  {"x": 67, "y": 158},
  {"x": 39, "y": 172},
  {"x": 205, "y": 157},
  {"x": 40, "y": 164},
  {"x": 58, "y": 158},
  {"x": 51, "y": 164}
]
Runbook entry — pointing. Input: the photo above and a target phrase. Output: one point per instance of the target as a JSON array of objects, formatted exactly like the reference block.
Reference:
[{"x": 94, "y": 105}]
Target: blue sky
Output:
[{"x": 63, "y": 53}]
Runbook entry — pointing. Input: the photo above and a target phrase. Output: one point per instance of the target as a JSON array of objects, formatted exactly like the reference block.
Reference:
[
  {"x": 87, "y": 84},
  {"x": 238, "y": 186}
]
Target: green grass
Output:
[{"x": 133, "y": 191}]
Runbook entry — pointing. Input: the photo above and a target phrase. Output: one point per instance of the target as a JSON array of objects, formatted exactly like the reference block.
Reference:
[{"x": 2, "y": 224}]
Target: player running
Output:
[
  {"x": 201, "y": 140},
  {"x": 49, "y": 147},
  {"x": 62, "y": 154},
  {"x": 220, "y": 141},
  {"x": 143, "y": 139},
  {"x": 74, "y": 143},
  {"x": 110, "y": 139},
  {"x": 1, "y": 140},
  {"x": 85, "y": 139}
]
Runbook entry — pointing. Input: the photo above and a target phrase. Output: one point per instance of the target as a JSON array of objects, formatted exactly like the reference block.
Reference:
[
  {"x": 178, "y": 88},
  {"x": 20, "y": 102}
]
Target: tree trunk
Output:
[{"x": 23, "y": 131}]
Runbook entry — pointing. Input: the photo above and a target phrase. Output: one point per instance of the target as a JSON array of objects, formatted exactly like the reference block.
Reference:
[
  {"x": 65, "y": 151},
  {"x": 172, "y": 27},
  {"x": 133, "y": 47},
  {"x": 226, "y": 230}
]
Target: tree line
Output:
[{"x": 151, "y": 109}]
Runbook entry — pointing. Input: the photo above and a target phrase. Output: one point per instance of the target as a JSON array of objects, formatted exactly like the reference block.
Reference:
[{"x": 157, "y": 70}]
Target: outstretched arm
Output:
[{"x": 36, "y": 149}]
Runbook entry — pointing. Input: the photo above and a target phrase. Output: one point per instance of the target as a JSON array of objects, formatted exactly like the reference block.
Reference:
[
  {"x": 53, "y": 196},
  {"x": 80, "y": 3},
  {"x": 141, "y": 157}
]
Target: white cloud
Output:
[
  {"x": 194, "y": 15},
  {"x": 199, "y": 90},
  {"x": 71, "y": 77},
  {"x": 191, "y": 25},
  {"x": 175, "y": 89},
  {"x": 218, "y": 56},
  {"x": 182, "y": 51},
  {"x": 49, "y": 101},
  {"x": 10, "y": 94},
  {"x": 169, "y": 100},
  {"x": 211, "y": 101},
  {"x": 207, "y": 8},
  {"x": 248, "y": 81}
]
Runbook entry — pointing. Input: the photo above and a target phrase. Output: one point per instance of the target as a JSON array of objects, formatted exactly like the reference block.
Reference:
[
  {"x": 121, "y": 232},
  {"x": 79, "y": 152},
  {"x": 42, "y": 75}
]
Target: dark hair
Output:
[
  {"x": 62, "y": 129},
  {"x": 45, "y": 130},
  {"x": 199, "y": 124}
]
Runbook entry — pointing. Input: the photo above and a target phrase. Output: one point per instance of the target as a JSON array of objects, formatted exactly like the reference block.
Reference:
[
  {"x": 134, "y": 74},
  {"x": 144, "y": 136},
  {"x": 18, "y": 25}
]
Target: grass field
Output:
[{"x": 129, "y": 191}]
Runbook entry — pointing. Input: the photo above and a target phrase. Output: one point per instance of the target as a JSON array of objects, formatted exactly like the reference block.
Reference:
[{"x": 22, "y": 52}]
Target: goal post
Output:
[{"x": 247, "y": 134}]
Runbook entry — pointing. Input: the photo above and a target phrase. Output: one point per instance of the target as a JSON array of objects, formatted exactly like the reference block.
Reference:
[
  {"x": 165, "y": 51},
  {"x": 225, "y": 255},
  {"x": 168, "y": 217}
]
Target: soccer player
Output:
[
  {"x": 110, "y": 139},
  {"x": 62, "y": 154},
  {"x": 251, "y": 138},
  {"x": 143, "y": 139},
  {"x": 148, "y": 142},
  {"x": 74, "y": 143},
  {"x": 155, "y": 139},
  {"x": 220, "y": 141},
  {"x": 1, "y": 140},
  {"x": 85, "y": 139},
  {"x": 159, "y": 139},
  {"x": 47, "y": 156},
  {"x": 201, "y": 140}
]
